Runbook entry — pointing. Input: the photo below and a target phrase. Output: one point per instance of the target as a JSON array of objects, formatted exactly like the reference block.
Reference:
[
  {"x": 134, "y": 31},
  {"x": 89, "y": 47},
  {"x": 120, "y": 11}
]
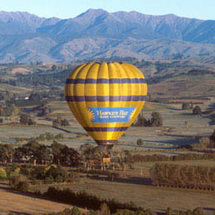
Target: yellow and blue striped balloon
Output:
[{"x": 106, "y": 98}]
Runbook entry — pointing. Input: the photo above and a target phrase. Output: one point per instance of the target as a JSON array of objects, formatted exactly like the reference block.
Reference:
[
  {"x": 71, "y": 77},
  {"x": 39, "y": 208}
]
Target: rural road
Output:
[{"x": 25, "y": 204}]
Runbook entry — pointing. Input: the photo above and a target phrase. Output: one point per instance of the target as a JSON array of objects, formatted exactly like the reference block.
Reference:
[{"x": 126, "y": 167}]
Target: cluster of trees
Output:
[
  {"x": 48, "y": 136},
  {"x": 198, "y": 177},
  {"x": 8, "y": 110},
  {"x": 60, "y": 122},
  {"x": 89, "y": 156},
  {"x": 25, "y": 119},
  {"x": 36, "y": 153},
  {"x": 20, "y": 176},
  {"x": 6, "y": 95},
  {"x": 43, "y": 110},
  {"x": 196, "y": 110},
  {"x": 155, "y": 121}
]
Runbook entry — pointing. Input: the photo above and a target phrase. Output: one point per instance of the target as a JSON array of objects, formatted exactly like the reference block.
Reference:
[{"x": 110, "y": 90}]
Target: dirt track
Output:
[{"x": 25, "y": 204}]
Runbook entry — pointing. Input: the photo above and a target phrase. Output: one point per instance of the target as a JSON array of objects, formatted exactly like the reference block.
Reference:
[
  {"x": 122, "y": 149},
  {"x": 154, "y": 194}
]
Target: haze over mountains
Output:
[{"x": 98, "y": 34}]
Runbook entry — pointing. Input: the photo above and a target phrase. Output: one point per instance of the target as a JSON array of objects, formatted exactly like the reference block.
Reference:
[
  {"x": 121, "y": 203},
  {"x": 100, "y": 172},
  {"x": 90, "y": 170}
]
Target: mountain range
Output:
[{"x": 97, "y": 33}]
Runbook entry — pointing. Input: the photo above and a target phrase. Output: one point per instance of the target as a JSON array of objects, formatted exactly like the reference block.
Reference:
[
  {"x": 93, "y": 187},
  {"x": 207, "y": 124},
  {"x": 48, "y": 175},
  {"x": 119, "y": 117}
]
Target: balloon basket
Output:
[{"x": 106, "y": 159}]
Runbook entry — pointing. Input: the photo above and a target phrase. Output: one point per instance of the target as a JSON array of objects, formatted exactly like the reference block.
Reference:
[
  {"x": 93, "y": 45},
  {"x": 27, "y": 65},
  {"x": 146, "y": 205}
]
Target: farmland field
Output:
[
  {"x": 18, "y": 203},
  {"x": 170, "y": 84},
  {"x": 157, "y": 199}
]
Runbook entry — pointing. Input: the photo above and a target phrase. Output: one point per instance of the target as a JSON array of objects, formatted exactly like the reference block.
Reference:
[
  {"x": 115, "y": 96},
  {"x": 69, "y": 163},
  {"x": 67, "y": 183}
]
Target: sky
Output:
[{"x": 200, "y": 9}]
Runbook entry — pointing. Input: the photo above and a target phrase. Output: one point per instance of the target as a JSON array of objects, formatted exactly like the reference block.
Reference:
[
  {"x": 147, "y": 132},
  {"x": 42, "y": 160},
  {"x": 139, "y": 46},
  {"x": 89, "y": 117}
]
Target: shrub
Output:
[
  {"x": 140, "y": 142},
  {"x": 204, "y": 142},
  {"x": 38, "y": 173},
  {"x": 58, "y": 179},
  {"x": 55, "y": 172},
  {"x": 3, "y": 174},
  {"x": 49, "y": 180},
  {"x": 73, "y": 177},
  {"x": 75, "y": 211},
  {"x": 198, "y": 211},
  {"x": 64, "y": 122},
  {"x": 19, "y": 182},
  {"x": 104, "y": 209}
]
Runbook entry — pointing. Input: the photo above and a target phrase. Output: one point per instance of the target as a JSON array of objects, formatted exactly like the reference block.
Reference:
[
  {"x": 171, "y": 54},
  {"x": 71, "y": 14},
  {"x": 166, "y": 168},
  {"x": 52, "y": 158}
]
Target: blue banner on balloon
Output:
[{"x": 111, "y": 114}]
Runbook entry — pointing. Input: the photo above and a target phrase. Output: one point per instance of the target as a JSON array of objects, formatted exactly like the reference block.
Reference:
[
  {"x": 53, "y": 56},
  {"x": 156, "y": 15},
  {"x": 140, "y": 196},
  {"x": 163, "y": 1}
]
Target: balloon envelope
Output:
[{"x": 106, "y": 98}]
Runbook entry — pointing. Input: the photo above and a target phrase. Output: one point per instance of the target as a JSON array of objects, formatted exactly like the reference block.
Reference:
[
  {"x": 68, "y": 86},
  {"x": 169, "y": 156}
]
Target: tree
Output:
[
  {"x": 64, "y": 122},
  {"x": 7, "y": 153},
  {"x": 31, "y": 150},
  {"x": 31, "y": 122},
  {"x": 26, "y": 120},
  {"x": 56, "y": 122},
  {"x": 197, "y": 110},
  {"x": 140, "y": 142},
  {"x": 44, "y": 110},
  {"x": 156, "y": 120},
  {"x": 91, "y": 155},
  {"x": 104, "y": 209},
  {"x": 212, "y": 139},
  {"x": 35, "y": 97},
  {"x": 56, "y": 151},
  {"x": 186, "y": 106},
  {"x": 70, "y": 157},
  {"x": 54, "y": 67},
  {"x": 57, "y": 171},
  {"x": 198, "y": 211},
  {"x": 43, "y": 154}
]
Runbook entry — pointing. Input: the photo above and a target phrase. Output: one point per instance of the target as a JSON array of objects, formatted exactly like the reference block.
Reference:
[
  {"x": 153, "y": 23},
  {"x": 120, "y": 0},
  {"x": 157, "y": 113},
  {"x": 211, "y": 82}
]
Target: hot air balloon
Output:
[{"x": 106, "y": 98}]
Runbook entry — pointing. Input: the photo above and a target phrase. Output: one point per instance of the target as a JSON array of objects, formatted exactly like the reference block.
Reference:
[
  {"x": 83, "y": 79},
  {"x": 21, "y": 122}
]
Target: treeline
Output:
[
  {"x": 198, "y": 177},
  {"x": 84, "y": 199},
  {"x": 43, "y": 137},
  {"x": 36, "y": 153},
  {"x": 158, "y": 157},
  {"x": 50, "y": 78},
  {"x": 99, "y": 206}
]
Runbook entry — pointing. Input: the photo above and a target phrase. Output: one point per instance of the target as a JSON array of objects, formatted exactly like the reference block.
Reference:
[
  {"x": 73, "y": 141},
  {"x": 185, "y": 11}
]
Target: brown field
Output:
[
  {"x": 20, "y": 70},
  {"x": 19, "y": 203}
]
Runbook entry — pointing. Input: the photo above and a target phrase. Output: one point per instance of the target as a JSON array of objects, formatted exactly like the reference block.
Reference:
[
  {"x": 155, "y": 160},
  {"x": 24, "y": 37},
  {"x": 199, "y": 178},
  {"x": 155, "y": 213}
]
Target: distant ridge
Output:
[{"x": 25, "y": 37}]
